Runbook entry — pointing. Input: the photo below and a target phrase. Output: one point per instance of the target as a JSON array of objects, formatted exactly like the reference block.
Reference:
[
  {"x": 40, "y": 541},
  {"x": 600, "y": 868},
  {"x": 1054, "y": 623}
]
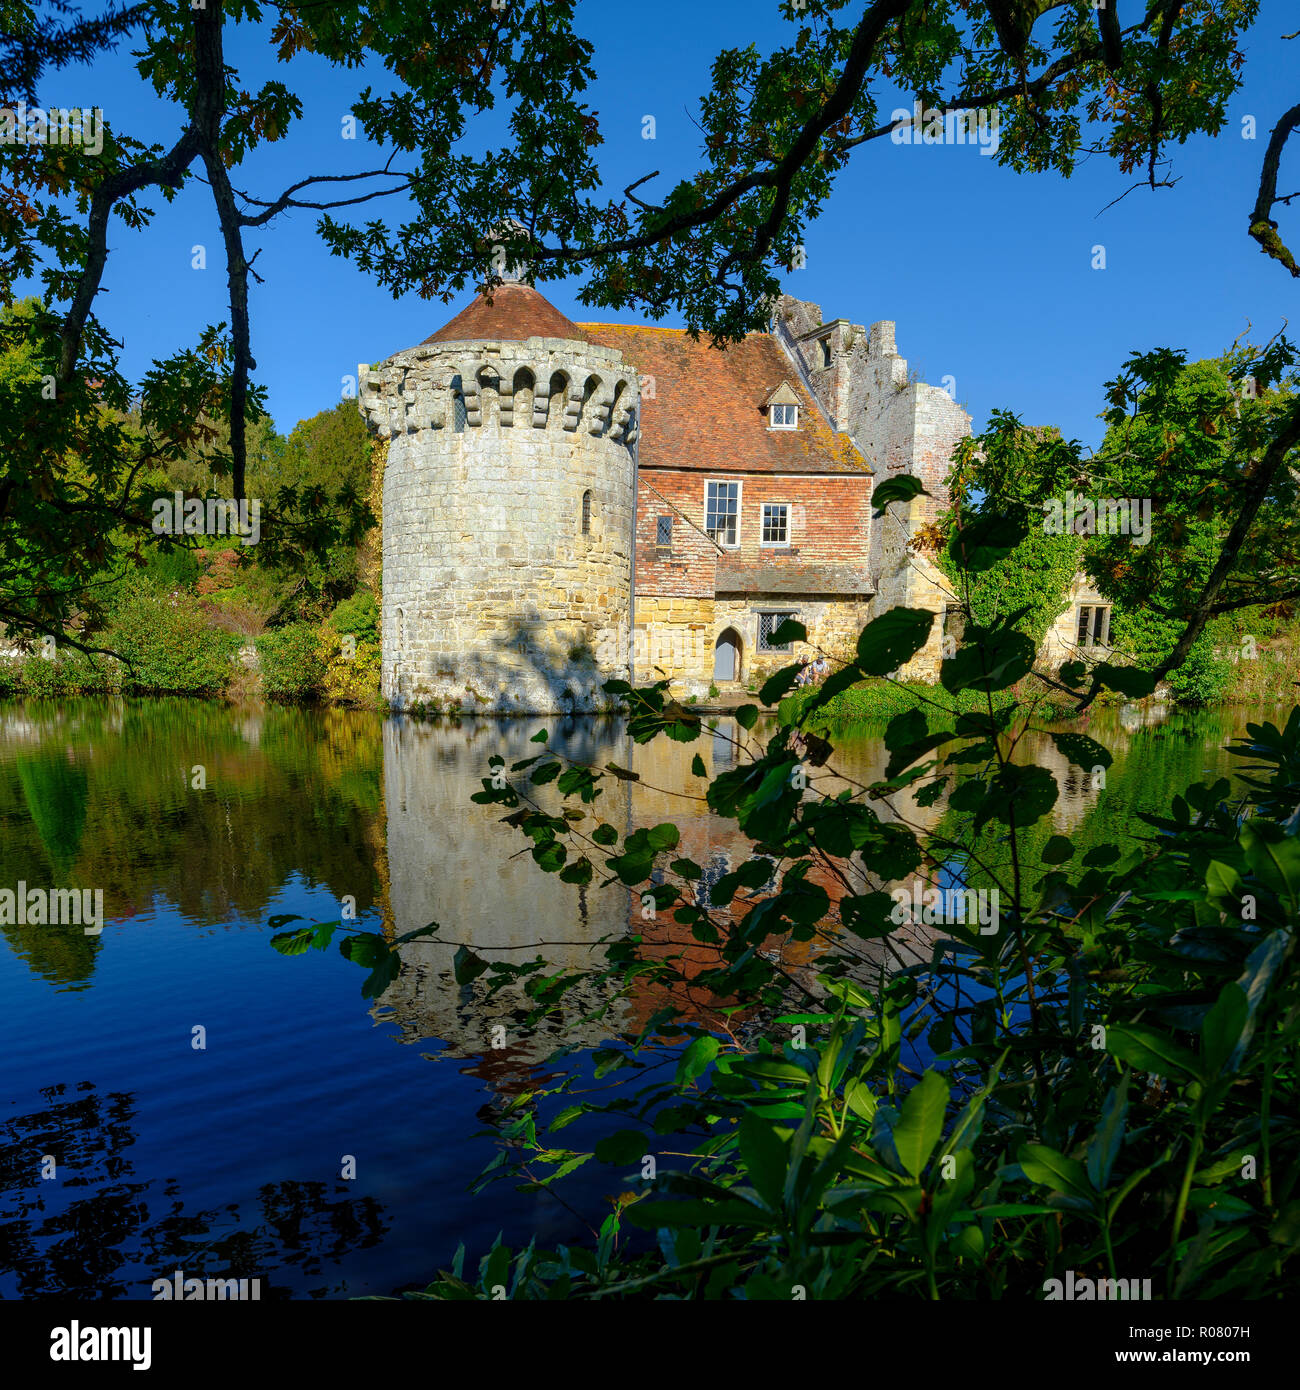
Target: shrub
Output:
[
  {"x": 292, "y": 663},
  {"x": 167, "y": 644},
  {"x": 357, "y": 616}
]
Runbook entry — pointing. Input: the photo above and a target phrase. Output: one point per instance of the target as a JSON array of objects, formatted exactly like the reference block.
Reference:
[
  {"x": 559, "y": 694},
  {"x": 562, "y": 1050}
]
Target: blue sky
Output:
[{"x": 987, "y": 273}]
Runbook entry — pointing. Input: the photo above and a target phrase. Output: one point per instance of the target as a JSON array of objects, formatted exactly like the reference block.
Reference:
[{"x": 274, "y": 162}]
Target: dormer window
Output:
[{"x": 783, "y": 408}]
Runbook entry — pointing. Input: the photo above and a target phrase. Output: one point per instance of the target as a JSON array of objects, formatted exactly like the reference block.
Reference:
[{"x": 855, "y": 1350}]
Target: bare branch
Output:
[
  {"x": 287, "y": 200},
  {"x": 1262, "y": 227}
]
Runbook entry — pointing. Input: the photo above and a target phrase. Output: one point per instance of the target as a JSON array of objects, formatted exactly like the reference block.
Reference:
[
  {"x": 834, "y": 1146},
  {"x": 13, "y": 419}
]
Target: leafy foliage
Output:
[{"x": 1096, "y": 1076}]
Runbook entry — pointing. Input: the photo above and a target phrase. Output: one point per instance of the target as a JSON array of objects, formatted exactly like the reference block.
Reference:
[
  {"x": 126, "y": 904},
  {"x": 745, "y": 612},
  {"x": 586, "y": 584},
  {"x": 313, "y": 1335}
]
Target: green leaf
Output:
[
  {"x": 867, "y": 915},
  {"x": 920, "y": 1124},
  {"x": 1223, "y": 886},
  {"x": 625, "y": 1146},
  {"x": 696, "y": 1059},
  {"x": 1128, "y": 680},
  {"x": 1104, "y": 1146},
  {"x": 1222, "y": 1028},
  {"x": 1254, "y": 981},
  {"x": 1045, "y": 1166},
  {"x": 779, "y": 683},
  {"x": 1016, "y": 792},
  {"x": 579, "y": 872},
  {"x": 665, "y": 836},
  {"x": 697, "y": 767},
  {"x": 605, "y": 834},
  {"x": 887, "y": 642},
  {"x": 1274, "y": 856},
  {"x": 466, "y": 966},
  {"x": 1149, "y": 1050},
  {"x": 293, "y": 943},
  {"x": 747, "y": 716},
  {"x": 769, "y": 1069},
  {"x": 1057, "y": 850},
  {"x": 764, "y": 1155},
  {"x": 986, "y": 539},
  {"x": 990, "y": 659},
  {"x": 539, "y": 737},
  {"x": 902, "y": 487},
  {"x": 789, "y": 630},
  {"x": 905, "y": 729},
  {"x": 1081, "y": 750}
]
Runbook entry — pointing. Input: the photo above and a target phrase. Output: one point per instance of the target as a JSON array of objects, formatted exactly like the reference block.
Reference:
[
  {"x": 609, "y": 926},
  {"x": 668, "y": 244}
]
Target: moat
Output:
[{"x": 200, "y": 1095}]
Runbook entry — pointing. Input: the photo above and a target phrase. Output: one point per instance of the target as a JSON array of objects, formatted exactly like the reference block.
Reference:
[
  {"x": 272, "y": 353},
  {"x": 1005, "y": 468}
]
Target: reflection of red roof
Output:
[
  {"x": 515, "y": 312},
  {"x": 708, "y": 406}
]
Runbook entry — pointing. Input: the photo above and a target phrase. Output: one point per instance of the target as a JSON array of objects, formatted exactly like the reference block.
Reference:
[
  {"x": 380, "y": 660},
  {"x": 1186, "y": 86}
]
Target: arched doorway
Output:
[{"x": 726, "y": 656}]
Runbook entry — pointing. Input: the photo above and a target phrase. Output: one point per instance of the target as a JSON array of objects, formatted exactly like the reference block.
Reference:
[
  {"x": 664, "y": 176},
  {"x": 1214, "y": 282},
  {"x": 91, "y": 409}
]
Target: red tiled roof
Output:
[
  {"x": 515, "y": 312},
  {"x": 737, "y": 575},
  {"x": 708, "y": 411}
]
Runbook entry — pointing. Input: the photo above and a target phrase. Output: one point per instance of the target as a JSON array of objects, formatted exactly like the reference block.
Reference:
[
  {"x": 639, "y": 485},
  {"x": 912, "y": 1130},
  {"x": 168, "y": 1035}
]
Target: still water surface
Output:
[{"x": 227, "y": 1159}]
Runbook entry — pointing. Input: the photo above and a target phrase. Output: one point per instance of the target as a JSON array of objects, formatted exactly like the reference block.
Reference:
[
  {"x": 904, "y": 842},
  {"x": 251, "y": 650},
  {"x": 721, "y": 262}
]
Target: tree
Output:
[
  {"x": 778, "y": 131},
  {"x": 1202, "y": 458}
]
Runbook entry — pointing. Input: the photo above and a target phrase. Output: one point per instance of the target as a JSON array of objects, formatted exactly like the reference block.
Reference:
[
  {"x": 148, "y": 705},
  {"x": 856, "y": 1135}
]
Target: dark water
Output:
[{"x": 126, "y": 1151}]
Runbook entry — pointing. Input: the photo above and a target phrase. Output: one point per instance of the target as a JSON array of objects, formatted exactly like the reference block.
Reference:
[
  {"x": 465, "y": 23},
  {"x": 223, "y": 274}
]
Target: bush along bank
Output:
[{"x": 170, "y": 645}]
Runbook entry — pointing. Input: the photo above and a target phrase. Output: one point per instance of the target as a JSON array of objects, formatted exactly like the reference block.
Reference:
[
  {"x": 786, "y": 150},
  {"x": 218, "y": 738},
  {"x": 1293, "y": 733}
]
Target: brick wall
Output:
[{"x": 829, "y": 524}]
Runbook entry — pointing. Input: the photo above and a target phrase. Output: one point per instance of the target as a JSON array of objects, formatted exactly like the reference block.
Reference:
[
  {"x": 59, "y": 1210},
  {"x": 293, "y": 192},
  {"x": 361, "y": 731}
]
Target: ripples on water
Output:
[{"x": 226, "y": 1160}]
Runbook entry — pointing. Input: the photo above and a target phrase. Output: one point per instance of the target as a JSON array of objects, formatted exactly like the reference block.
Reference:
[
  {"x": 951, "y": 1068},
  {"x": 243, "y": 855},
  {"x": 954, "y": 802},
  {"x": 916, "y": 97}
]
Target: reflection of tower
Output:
[
  {"x": 453, "y": 862},
  {"x": 508, "y": 506}
]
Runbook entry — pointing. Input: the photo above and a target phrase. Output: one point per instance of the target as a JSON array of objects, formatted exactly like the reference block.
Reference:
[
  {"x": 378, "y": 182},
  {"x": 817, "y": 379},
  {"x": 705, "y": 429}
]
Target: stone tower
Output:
[{"x": 508, "y": 499}]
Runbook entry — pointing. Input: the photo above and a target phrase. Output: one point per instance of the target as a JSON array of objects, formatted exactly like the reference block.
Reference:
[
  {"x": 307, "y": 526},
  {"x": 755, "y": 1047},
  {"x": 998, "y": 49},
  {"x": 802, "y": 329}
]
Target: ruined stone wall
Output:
[
  {"x": 901, "y": 426},
  {"x": 495, "y": 599},
  {"x": 1060, "y": 643}
]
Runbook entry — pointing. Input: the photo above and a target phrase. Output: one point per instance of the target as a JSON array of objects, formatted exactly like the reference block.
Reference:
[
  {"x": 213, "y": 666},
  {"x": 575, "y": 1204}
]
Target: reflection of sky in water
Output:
[{"x": 227, "y": 1160}]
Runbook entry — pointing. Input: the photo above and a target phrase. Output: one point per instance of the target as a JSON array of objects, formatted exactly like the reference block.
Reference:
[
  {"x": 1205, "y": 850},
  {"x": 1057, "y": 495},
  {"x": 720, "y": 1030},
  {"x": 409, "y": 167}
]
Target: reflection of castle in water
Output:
[{"x": 453, "y": 862}]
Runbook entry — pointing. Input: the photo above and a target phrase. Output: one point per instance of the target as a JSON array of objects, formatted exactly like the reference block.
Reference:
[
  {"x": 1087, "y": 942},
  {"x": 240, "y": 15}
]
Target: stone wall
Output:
[
  {"x": 901, "y": 426},
  {"x": 1060, "y": 644},
  {"x": 678, "y": 635},
  {"x": 495, "y": 599}
]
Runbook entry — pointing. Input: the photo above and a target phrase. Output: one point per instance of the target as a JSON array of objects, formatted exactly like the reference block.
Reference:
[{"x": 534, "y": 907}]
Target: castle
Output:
[{"x": 568, "y": 503}]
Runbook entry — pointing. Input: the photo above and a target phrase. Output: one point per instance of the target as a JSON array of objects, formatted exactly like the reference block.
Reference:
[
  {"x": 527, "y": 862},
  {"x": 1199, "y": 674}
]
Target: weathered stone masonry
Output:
[{"x": 508, "y": 500}]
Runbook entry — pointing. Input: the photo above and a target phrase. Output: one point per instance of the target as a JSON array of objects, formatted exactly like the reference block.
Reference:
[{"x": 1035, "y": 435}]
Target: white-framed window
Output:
[
  {"x": 722, "y": 513},
  {"x": 783, "y": 417},
  {"x": 767, "y": 625},
  {"x": 776, "y": 524},
  {"x": 1094, "y": 625}
]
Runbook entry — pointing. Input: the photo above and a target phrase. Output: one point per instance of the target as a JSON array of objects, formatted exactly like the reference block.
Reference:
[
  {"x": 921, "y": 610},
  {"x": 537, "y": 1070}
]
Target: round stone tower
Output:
[{"x": 509, "y": 504}]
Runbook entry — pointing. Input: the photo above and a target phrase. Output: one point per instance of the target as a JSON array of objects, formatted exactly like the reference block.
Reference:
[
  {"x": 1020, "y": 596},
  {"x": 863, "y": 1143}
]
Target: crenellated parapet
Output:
[{"x": 539, "y": 383}]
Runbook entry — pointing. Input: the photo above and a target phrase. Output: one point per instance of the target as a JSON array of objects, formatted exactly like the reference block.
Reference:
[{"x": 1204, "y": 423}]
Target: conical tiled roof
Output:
[{"x": 514, "y": 313}]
